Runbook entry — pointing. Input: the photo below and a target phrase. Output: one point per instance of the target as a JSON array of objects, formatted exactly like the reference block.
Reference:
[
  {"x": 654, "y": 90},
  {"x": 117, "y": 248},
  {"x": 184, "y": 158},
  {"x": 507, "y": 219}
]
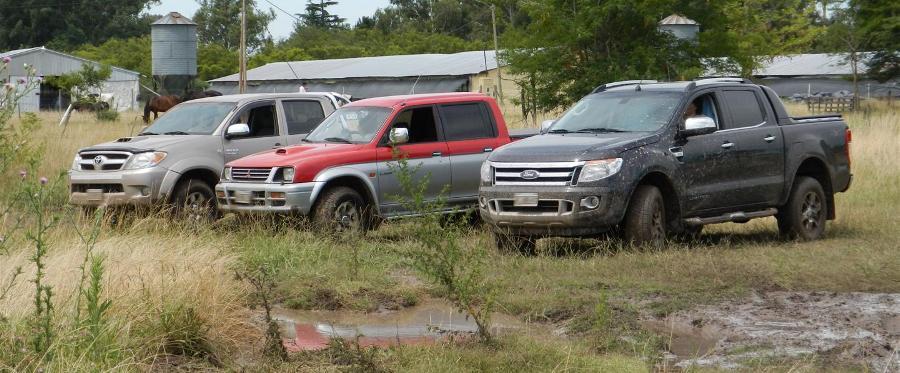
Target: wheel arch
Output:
[
  {"x": 205, "y": 175},
  {"x": 666, "y": 187},
  {"x": 354, "y": 182},
  {"x": 817, "y": 169}
]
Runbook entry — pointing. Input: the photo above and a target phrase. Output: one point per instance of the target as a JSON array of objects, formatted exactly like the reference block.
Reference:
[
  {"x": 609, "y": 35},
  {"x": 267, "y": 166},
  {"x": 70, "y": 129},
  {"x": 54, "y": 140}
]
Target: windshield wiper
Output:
[
  {"x": 176, "y": 133},
  {"x": 559, "y": 130},
  {"x": 600, "y": 130},
  {"x": 306, "y": 140},
  {"x": 147, "y": 134},
  {"x": 338, "y": 139}
]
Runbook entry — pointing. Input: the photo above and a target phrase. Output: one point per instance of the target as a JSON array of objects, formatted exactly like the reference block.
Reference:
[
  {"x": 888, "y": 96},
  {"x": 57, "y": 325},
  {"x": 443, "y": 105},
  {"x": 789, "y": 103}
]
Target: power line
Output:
[{"x": 284, "y": 11}]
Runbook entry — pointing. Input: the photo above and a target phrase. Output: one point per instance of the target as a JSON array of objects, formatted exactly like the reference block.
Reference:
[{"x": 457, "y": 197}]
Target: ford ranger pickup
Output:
[
  {"x": 178, "y": 158},
  {"x": 342, "y": 175},
  {"x": 650, "y": 160}
]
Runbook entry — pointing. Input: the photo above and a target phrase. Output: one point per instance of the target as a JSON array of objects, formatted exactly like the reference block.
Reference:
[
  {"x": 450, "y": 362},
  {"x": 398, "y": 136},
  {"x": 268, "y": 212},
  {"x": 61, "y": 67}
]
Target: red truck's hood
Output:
[{"x": 310, "y": 158}]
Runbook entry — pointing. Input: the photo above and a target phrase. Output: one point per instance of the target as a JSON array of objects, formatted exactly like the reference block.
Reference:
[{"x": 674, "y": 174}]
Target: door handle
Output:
[
  {"x": 488, "y": 150},
  {"x": 769, "y": 138},
  {"x": 436, "y": 154},
  {"x": 728, "y": 145},
  {"x": 677, "y": 151}
]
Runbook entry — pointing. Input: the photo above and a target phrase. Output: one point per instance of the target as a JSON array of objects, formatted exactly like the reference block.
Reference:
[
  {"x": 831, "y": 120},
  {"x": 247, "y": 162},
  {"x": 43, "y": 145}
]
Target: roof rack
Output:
[
  {"x": 730, "y": 79},
  {"x": 606, "y": 86}
]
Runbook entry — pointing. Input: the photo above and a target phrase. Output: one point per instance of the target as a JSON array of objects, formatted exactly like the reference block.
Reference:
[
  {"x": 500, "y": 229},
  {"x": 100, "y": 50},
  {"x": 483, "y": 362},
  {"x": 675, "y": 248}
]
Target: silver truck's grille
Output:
[
  {"x": 547, "y": 174},
  {"x": 103, "y": 160},
  {"x": 250, "y": 174}
]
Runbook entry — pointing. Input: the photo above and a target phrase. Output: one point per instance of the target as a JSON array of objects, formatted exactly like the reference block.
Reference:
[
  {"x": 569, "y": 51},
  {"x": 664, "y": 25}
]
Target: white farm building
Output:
[{"x": 122, "y": 87}]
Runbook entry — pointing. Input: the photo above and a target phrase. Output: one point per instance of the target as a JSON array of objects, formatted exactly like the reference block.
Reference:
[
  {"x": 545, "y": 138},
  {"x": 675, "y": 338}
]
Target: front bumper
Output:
[
  {"x": 559, "y": 211},
  {"x": 265, "y": 197},
  {"x": 116, "y": 188}
]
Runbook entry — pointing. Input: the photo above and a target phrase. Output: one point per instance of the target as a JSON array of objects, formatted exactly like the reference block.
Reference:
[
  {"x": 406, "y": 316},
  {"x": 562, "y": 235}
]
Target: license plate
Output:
[
  {"x": 243, "y": 197},
  {"x": 525, "y": 199},
  {"x": 94, "y": 194}
]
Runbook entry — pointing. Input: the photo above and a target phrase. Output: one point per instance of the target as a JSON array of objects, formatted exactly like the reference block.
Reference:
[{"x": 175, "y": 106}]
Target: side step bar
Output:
[{"x": 734, "y": 217}]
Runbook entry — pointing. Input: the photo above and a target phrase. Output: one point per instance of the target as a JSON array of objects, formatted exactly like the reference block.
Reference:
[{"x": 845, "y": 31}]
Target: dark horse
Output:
[{"x": 158, "y": 105}]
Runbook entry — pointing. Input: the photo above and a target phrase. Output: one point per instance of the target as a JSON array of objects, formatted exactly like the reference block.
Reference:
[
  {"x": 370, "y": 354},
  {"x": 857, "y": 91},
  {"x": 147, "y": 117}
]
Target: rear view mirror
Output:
[
  {"x": 545, "y": 125},
  {"x": 237, "y": 130},
  {"x": 699, "y": 125},
  {"x": 399, "y": 136}
]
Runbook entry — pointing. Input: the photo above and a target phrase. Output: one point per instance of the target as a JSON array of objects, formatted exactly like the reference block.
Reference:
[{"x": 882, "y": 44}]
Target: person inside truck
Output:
[{"x": 701, "y": 107}]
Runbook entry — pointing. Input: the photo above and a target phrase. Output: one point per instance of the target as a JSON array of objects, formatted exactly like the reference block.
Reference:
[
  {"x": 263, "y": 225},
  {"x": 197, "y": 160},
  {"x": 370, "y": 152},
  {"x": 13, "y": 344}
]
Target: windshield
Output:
[
  {"x": 201, "y": 118},
  {"x": 619, "y": 112},
  {"x": 356, "y": 125}
]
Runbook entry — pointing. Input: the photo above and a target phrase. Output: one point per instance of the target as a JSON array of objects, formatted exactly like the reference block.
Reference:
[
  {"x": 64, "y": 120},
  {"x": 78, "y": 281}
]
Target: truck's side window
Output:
[
  {"x": 465, "y": 122},
  {"x": 703, "y": 105},
  {"x": 420, "y": 122},
  {"x": 302, "y": 116},
  {"x": 744, "y": 107},
  {"x": 261, "y": 120}
]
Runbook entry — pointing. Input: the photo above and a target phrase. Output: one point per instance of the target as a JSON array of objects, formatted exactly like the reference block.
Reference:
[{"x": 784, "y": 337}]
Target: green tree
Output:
[
  {"x": 131, "y": 54},
  {"x": 215, "y": 61},
  {"x": 68, "y": 24},
  {"x": 218, "y": 22},
  {"x": 318, "y": 16},
  {"x": 879, "y": 22}
]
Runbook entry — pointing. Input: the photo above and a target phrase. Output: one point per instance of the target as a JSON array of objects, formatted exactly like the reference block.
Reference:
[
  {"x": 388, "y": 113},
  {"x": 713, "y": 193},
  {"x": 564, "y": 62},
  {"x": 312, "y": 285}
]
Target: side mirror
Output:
[
  {"x": 699, "y": 125},
  {"x": 237, "y": 130},
  {"x": 399, "y": 136},
  {"x": 545, "y": 125}
]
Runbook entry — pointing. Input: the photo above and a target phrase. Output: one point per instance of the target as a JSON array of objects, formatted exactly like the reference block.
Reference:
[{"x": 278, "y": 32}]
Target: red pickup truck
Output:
[{"x": 341, "y": 173}]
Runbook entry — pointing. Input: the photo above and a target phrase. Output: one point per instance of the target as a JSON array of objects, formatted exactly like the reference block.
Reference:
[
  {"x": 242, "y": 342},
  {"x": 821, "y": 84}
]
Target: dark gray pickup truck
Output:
[{"x": 655, "y": 160}]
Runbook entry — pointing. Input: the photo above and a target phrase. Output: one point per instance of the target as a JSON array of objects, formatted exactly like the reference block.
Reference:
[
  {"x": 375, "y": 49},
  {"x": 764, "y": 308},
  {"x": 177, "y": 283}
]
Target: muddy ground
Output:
[{"x": 843, "y": 328}]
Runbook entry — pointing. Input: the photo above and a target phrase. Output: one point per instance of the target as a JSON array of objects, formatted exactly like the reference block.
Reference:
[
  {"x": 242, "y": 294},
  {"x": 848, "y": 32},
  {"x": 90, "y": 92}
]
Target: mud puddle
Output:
[
  {"x": 426, "y": 323},
  {"x": 848, "y": 328}
]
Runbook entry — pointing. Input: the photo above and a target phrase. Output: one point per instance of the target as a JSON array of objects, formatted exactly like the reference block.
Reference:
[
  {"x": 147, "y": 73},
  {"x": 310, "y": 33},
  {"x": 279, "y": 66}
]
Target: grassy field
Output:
[{"x": 179, "y": 298}]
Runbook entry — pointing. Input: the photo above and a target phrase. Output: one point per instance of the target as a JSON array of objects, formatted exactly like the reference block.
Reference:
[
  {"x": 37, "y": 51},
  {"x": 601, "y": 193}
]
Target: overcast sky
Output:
[{"x": 282, "y": 26}]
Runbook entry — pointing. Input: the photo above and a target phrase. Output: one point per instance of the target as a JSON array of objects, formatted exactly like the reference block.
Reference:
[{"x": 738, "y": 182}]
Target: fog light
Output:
[
  {"x": 276, "y": 195},
  {"x": 591, "y": 202},
  {"x": 220, "y": 193},
  {"x": 145, "y": 191}
]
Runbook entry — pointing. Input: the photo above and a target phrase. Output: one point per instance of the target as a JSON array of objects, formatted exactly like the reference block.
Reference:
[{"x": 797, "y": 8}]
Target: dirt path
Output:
[{"x": 840, "y": 327}]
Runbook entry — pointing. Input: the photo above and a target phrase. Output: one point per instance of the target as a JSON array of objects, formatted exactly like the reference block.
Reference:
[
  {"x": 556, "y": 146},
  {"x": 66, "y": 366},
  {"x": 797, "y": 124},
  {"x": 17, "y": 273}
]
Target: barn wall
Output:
[{"x": 786, "y": 87}]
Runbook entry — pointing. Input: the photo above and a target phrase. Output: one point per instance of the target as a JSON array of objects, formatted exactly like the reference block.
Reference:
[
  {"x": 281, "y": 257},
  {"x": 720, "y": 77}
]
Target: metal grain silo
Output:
[
  {"x": 680, "y": 26},
  {"x": 174, "y": 51}
]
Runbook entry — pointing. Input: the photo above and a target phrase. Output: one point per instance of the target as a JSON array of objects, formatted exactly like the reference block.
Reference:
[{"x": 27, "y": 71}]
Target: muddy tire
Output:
[
  {"x": 512, "y": 244},
  {"x": 805, "y": 214},
  {"x": 342, "y": 209},
  {"x": 645, "y": 220},
  {"x": 195, "y": 202}
]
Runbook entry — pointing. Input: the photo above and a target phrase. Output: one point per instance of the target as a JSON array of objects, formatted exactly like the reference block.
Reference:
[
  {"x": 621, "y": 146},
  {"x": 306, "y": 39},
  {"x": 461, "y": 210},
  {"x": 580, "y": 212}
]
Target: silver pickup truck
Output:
[{"x": 179, "y": 158}]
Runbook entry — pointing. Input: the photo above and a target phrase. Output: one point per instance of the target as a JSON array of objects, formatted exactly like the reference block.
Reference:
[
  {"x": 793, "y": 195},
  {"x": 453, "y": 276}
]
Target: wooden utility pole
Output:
[
  {"x": 242, "y": 83},
  {"x": 497, "y": 53}
]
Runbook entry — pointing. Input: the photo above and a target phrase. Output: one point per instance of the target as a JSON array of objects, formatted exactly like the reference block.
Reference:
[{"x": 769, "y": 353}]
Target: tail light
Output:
[{"x": 848, "y": 138}]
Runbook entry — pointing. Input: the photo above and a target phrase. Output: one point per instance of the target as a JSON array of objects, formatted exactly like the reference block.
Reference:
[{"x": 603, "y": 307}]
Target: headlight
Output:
[
  {"x": 596, "y": 170},
  {"x": 145, "y": 160},
  {"x": 287, "y": 174},
  {"x": 76, "y": 163},
  {"x": 486, "y": 172},
  {"x": 226, "y": 174}
]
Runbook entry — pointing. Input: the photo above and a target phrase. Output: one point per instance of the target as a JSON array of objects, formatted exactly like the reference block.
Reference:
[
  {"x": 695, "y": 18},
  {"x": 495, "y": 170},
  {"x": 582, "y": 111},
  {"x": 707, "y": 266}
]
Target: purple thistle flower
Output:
[
  {"x": 6, "y": 59},
  {"x": 21, "y": 80},
  {"x": 43, "y": 181},
  {"x": 22, "y": 174}
]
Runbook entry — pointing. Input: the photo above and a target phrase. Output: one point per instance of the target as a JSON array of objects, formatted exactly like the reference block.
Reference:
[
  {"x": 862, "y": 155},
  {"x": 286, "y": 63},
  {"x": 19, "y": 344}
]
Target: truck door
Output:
[
  {"x": 427, "y": 156},
  {"x": 757, "y": 154},
  {"x": 471, "y": 136},
  {"x": 702, "y": 158},
  {"x": 301, "y": 116},
  {"x": 265, "y": 132}
]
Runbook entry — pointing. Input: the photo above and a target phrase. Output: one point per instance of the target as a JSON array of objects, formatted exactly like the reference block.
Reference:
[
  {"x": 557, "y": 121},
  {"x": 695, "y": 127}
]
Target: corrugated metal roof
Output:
[
  {"x": 457, "y": 64},
  {"x": 816, "y": 64},
  {"x": 677, "y": 19},
  {"x": 174, "y": 18},
  {"x": 43, "y": 50},
  {"x": 17, "y": 52}
]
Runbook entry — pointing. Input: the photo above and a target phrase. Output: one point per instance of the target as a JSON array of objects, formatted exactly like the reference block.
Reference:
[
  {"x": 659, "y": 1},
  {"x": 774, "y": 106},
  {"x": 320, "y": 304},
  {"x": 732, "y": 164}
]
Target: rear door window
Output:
[
  {"x": 744, "y": 107},
  {"x": 466, "y": 121},
  {"x": 302, "y": 115}
]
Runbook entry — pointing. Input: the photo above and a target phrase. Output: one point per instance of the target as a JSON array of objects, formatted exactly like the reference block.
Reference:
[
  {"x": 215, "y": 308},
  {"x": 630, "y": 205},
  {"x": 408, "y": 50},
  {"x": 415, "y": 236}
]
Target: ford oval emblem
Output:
[{"x": 530, "y": 174}]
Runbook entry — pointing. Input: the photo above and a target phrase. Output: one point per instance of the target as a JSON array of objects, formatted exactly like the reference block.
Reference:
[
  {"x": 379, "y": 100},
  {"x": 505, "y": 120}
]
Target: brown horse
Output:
[{"x": 158, "y": 105}]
